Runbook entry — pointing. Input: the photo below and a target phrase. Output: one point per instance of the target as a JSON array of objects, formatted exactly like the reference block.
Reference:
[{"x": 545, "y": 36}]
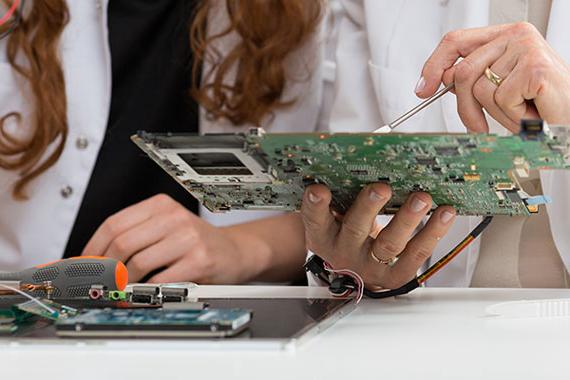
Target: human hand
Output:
[
  {"x": 161, "y": 233},
  {"x": 535, "y": 80},
  {"x": 348, "y": 244}
]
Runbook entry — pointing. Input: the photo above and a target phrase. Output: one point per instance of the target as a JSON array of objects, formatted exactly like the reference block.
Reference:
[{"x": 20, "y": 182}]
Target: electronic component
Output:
[
  {"x": 97, "y": 292},
  {"x": 173, "y": 294},
  {"x": 8, "y": 328},
  {"x": 275, "y": 323},
  {"x": 12, "y": 319},
  {"x": 118, "y": 295},
  {"x": 47, "y": 309},
  {"x": 475, "y": 173},
  {"x": 143, "y": 293},
  {"x": 8, "y": 322},
  {"x": 17, "y": 287},
  {"x": 184, "y": 306},
  {"x": 72, "y": 278},
  {"x": 155, "y": 322}
]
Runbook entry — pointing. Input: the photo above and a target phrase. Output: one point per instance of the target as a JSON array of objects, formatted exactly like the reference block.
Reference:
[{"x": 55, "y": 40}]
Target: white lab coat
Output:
[
  {"x": 382, "y": 45},
  {"x": 36, "y": 231}
]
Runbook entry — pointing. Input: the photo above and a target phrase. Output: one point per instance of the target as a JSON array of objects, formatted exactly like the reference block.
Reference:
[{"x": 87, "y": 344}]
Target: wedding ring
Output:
[
  {"x": 391, "y": 261},
  {"x": 493, "y": 77}
]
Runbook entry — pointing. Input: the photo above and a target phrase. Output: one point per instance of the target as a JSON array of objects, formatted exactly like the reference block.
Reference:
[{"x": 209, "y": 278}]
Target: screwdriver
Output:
[
  {"x": 389, "y": 127},
  {"x": 73, "y": 277}
]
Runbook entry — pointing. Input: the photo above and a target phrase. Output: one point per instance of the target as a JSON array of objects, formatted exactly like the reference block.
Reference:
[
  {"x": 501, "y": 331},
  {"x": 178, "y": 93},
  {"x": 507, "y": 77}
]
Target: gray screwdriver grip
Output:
[{"x": 72, "y": 278}]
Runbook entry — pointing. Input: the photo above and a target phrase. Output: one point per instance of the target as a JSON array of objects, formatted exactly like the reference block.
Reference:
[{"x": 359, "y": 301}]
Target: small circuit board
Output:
[
  {"x": 155, "y": 322},
  {"x": 23, "y": 314},
  {"x": 478, "y": 174},
  {"x": 46, "y": 308}
]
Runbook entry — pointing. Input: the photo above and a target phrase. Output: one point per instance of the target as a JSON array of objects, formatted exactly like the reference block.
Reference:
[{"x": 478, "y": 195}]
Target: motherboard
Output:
[{"x": 478, "y": 174}]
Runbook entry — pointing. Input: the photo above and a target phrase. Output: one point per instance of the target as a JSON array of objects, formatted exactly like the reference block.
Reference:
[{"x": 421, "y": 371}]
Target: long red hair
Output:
[{"x": 269, "y": 30}]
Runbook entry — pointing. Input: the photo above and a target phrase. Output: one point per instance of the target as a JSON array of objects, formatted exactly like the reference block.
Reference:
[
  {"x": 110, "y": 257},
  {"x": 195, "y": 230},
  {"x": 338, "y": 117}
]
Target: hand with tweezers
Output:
[{"x": 508, "y": 70}]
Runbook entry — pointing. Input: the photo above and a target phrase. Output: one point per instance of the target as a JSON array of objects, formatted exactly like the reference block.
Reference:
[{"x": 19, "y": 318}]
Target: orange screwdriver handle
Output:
[{"x": 73, "y": 277}]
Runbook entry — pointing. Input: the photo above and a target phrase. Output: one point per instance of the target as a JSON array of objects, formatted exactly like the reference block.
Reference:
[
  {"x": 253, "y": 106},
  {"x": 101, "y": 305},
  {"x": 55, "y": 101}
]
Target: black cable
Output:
[
  {"x": 416, "y": 282},
  {"x": 316, "y": 266},
  {"x": 404, "y": 289},
  {"x": 481, "y": 226},
  {"x": 341, "y": 284}
]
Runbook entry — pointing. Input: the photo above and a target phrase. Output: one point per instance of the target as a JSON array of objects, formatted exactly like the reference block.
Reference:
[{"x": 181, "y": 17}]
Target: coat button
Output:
[
  {"x": 82, "y": 143},
  {"x": 66, "y": 191}
]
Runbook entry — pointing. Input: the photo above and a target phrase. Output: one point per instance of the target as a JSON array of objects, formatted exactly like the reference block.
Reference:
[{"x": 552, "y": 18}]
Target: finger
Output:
[
  {"x": 454, "y": 45},
  {"x": 162, "y": 254},
  {"x": 550, "y": 102},
  {"x": 485, "y": 91},
  {"x": 359, "y": 220},
  {"x": 337, "y": 215},
  {"x": 420, "y": 247},
  {"x": 321, "y": 227},
  {"x": 449, "y": 77},
  {"x": 142, "y": 236},
  {"x": 376, "y": 228},
  {"x": 180, "y": 271},
  {"x": 467, "y": 73},
  {"x": 392, "y": 240},
  {"x": 125, "y": 220},
  {"x": 514, "y": 92}
]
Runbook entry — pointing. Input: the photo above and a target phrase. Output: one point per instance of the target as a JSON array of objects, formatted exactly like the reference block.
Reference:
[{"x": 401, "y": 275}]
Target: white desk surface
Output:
[{"x": 429, "y": 334}]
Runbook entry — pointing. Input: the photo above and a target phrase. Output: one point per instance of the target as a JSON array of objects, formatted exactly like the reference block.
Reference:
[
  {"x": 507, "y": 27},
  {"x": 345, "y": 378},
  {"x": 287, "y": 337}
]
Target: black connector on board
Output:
[
  {"x": 316, "y": 266},
  {"x": 338, "y": 285},
  {"x": 141, "y": 298},
  {"x": 341, "y": 285},
  {"x": 172, "y": 299},
  {"x": 532, "y": 129}
]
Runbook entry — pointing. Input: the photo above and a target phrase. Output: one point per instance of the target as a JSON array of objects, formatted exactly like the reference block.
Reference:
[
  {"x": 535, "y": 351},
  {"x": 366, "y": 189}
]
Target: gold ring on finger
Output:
[
  {"x": 390, "y": 261},
  {"x": 493, "y": 77}
]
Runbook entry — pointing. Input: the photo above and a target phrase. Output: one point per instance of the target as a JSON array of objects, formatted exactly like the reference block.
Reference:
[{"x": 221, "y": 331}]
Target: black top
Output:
[{"x": 151, "y": 65}]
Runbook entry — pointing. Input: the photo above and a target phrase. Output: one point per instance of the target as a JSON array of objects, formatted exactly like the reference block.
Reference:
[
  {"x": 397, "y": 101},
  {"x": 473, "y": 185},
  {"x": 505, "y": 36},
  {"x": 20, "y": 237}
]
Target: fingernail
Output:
[
  {"x": 375, "y": 197},
  {"x": 446, "y": 216},
  {"x": 420, "y": 85},
  {"x": 418, "y": 205},
  {"x": 313, "y": 198}
]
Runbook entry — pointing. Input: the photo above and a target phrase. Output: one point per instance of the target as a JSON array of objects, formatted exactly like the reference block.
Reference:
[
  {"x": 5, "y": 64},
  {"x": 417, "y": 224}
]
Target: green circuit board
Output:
[
  {"x": 478, "y": 174},
  {"x": 155, "y": 322}
]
